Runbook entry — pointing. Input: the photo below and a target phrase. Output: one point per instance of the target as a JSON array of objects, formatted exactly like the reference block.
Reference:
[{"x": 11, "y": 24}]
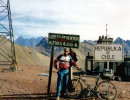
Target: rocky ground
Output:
[{"x": 27, "y": 84}]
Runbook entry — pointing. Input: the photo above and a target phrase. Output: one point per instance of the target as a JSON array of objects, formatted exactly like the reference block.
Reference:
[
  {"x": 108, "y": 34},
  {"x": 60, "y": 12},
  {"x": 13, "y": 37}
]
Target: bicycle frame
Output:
[{"x": 89, "y": 85}]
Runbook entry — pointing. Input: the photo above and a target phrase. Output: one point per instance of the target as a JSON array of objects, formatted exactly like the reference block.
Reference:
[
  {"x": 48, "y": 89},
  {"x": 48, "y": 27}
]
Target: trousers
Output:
[{"x": 61, "y": 74}]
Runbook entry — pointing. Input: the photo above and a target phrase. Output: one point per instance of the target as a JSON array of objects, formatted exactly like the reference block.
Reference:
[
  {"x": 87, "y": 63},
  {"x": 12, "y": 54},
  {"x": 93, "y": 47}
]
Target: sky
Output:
[{"x": 87, "y": 18}]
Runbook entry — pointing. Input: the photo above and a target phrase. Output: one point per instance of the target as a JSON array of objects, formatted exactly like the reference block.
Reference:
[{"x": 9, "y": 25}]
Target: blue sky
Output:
[{"x": 87, "y": 18}]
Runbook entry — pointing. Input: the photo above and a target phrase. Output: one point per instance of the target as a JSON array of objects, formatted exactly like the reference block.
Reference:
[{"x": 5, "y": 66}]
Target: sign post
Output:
[
  {"x": 109, "y": 53},
  {"x": 50, "y": 72},
  {"x": 62, "y": 40}
]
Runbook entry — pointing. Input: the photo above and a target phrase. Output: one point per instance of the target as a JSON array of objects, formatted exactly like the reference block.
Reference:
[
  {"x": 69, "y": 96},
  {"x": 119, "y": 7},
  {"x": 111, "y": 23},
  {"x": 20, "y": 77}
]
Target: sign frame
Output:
[
  {"x": 108, "y": 59},
  {"x": 63, "y": 40}
]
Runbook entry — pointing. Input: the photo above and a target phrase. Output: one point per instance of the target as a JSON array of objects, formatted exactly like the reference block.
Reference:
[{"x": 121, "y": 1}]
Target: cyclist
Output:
[{"x": 63, "y": 70}]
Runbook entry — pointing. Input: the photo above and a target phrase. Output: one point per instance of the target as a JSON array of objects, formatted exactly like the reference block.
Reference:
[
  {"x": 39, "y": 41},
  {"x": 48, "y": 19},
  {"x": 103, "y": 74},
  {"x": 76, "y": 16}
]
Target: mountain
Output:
[
  {"x": 126, "y": 44},
  {"x": 87, "y": 46},
  {"x": 119, "y": 40},
  {"x": 90, "y": 42},
  {"x": 24, "y": 55},
  {"x": 45, "y": 49},
  {"x": 44, "y": 43},
  {"x": 42, "y": 46},
  {"x": 28, "y": 42}
]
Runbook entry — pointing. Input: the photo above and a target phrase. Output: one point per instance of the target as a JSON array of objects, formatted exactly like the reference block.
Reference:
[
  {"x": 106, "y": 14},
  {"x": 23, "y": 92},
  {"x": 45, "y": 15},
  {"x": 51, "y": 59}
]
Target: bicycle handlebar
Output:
[
  {"x": 82, "y": 70},
  {"x": 99, "y": 75}
]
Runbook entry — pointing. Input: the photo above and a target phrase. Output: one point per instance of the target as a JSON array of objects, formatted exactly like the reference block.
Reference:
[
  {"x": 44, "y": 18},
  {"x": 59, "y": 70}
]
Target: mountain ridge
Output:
[
  {"x": 126, "y": 44},
  {"x": 28, "y": 42},
  {"x": 44, "y": 48}
]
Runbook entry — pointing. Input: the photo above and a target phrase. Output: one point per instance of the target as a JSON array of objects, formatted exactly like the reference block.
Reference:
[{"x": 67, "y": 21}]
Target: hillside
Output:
[
  {"x": 25, "y": 55},
  {"x": 29, "y": 56}
]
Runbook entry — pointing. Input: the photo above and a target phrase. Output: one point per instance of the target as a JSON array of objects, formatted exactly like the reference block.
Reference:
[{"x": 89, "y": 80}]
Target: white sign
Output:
[{"x": 108, "y": 52}]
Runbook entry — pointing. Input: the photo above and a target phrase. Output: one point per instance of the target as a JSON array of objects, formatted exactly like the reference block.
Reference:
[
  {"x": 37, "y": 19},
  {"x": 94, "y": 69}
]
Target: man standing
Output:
[{"x": 63, "y": 70}]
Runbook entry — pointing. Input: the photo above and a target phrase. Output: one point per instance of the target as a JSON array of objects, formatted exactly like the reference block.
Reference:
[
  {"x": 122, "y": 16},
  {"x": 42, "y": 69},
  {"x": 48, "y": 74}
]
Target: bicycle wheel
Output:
[
  {"x": 106, "y": 90},
  {"x": 74, "y": 88}
]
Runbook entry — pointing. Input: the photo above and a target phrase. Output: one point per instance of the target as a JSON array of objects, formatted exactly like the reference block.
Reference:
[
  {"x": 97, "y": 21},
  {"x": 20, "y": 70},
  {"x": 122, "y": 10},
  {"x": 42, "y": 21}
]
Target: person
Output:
[{"x": 63, "y": 70}]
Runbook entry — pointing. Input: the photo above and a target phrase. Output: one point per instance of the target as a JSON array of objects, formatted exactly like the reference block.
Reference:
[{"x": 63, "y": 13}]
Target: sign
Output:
[
  {"x": 108, "y": 52},
  {"x": 63, "y": 40}
]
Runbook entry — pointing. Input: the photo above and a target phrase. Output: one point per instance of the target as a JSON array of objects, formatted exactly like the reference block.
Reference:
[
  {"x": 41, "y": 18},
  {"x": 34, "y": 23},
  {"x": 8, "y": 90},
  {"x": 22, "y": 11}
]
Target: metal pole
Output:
[
  {"x": 11, "y": 33},
  {"x": 106, "y": 29},
  {"x": 50, "y": 72},
  {"x": 108, "y": 65}
]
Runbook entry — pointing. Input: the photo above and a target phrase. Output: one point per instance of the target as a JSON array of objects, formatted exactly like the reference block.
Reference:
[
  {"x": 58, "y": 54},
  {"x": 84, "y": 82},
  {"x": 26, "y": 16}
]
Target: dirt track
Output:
[{"x": 26, "y": 84}]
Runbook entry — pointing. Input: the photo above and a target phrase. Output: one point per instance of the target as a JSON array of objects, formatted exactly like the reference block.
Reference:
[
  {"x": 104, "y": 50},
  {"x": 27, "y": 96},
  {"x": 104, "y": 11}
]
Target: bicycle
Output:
[{"x": 104, "y": 90}]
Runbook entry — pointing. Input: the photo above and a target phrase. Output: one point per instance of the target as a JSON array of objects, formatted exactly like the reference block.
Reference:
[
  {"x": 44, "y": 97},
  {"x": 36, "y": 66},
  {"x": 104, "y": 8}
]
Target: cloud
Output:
[{"x": 84, "y": 17}]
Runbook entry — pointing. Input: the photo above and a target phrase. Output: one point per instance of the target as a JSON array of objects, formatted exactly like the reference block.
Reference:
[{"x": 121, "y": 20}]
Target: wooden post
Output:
[
  {"x": 70, "y": 70},
  {"x": 50, "y": 72}
]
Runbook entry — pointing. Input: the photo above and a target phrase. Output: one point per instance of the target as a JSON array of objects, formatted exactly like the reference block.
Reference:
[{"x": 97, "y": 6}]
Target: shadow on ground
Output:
[{"x": 37, "y": 96}]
